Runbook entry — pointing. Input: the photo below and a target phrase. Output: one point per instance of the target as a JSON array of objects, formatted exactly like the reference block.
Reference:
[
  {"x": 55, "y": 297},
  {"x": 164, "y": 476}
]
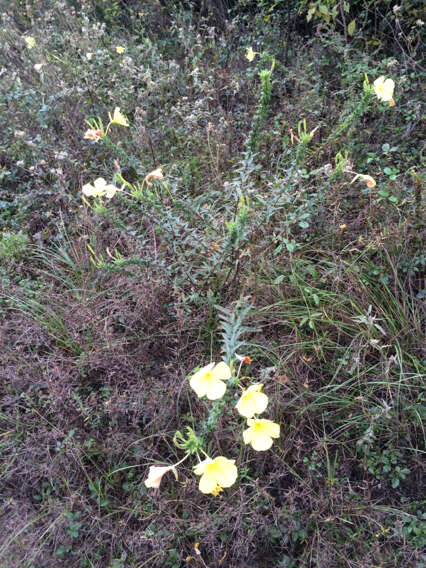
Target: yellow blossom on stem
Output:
[
  {"x": 252, "y": 401},
  {"x": 209, "y": 380},
  {"x": 120, "y": 49},
  {"x": 384, "y": 90},
  {"x": 30, "y": 41},
  {"x": 100, "y": 188},
  {"x": 260, "y": 433},
  {"x": 216, "y": 474},
  {"x": 118, "y": 118},
  {"x": 250, "y": 54}
]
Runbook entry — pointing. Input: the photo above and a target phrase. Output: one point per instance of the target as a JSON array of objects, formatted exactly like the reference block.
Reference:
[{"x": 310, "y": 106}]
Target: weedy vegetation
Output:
[{"x": 212, "y": 284}]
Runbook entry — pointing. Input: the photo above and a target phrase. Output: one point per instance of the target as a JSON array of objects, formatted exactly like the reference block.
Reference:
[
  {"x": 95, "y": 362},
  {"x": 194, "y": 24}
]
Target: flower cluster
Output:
[{"x": 211, "y": 381}]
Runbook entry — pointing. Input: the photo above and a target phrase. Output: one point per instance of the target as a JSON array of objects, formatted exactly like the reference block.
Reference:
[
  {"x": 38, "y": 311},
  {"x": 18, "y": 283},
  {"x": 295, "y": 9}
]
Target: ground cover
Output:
[{"x": 261, "y": 206}]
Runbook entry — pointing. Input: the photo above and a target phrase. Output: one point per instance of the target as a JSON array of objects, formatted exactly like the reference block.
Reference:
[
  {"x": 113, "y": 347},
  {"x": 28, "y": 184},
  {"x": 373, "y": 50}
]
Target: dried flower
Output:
[
  {"x": 93, "y": 134},
  {"x": 156, "y": 473},
  {"x": 155, "y": 175}
]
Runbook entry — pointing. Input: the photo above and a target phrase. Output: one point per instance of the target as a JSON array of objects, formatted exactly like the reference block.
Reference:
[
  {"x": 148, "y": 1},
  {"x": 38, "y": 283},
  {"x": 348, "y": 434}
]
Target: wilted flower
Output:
[
  {"x": 370, "y": 181},
  {"x": 215, "y": 474},
  {"x": 118, "y": 118},
  {"x": 244, "y": 358},
  {"x": 384, "y": 90},
  {"x": 250, "y": 54},
  {"x": 30, "y": 41},
  {"x": 252, "y": 401},
  {"x": 93, "y": 134},
  {"x": 209, "y": 380},
  {"x": 260, "y": 433},
  {"x": 100, "y": 188},
  {"x": 155, "y": 174},
  {"x": 155, "y": 475},
  {"x": 120, "y": 49}
]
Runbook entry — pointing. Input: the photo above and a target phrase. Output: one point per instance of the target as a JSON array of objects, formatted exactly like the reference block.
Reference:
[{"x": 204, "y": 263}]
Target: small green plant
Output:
[{"x": 13, "y": 246}]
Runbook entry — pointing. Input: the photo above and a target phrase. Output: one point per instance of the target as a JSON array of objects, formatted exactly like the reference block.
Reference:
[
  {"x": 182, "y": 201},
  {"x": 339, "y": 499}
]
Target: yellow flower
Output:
[
  {"x": 155, "y": 475},
  {"x": 252, "y": 401},
  {"x": 38, "y": 67},
  {"x": 384, "y": 90},
  {"x": 120, "y": 49},
  {"x": 209, "y": 380},
  {"x": 118, "y": 118},
  {"x": 100, "y": 188},
  {"x": 215, "y": 474},
  {"x": 260, "y": 433},
  {"x": 250, "y": 54},
  {"x": 30, "y": 41}
]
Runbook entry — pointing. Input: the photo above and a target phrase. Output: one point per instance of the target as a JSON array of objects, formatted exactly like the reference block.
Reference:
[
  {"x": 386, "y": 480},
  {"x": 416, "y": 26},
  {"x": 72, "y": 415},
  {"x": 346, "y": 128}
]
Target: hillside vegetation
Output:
[{"x": 212, "y": 276}]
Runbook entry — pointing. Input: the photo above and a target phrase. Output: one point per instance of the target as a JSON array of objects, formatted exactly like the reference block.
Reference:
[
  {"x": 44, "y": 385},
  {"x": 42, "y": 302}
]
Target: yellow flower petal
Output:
[
  {"x": 198, "y": 382},
  {"x": 215, "y": 390},
  {"x": 221, "y": 372}
]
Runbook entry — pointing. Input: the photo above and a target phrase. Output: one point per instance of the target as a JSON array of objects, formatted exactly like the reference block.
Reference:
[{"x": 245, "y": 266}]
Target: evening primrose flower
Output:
[
  {"x": 93, "y": 134},
  {"x": 118, "y": 118},
  {"x": 252, "y": 401},
  {"x": 215, "y": 474},
  {"x": 384, "y": 90},
  {"x": 209, "y": 380},
  {"x": 100, "y": 188},
  {"x": 260, "y": 433},
  {"x": 120, "y": 49},
  {"x": 250, "y": 54},
  {"x": 156, "y": 473},
  {"x": 30, "y": 41}
]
